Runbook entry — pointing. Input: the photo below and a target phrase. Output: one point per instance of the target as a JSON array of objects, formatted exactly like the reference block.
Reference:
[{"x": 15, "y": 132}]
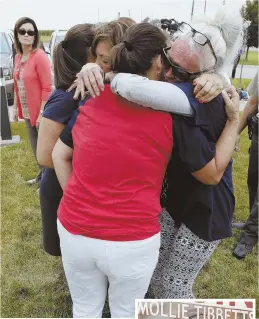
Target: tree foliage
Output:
[
  {"x": 46, "y": 32},
  {"x": 249, "y": 12}
]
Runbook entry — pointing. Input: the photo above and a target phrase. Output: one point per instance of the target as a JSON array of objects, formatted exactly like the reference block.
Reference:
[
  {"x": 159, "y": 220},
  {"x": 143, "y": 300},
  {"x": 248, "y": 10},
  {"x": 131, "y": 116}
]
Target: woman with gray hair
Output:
[{"x": 198, "y": 195}]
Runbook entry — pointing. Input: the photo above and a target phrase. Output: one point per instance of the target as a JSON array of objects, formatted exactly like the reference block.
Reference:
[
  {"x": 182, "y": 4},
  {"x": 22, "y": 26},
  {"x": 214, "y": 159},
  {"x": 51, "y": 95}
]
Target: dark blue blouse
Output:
[
  {"x": 206, "y": 210},
  {"x": 60, "y": 106}
]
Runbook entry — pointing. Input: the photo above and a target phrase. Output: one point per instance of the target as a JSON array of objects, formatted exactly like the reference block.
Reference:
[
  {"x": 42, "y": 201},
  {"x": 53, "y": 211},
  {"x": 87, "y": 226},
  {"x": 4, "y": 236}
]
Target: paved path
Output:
[{"x": 248, "y": 72}]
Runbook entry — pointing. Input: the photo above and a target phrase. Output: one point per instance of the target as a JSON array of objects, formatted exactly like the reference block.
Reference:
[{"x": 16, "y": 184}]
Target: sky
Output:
[{"x": 62, "y": 14}]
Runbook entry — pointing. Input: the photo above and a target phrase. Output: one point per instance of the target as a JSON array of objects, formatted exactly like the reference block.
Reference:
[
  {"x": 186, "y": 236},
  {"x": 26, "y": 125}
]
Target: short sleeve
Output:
[
  {"x": 60, "y": 106},
  {"x": 66, "y": 136},
  {"x": 191, "y": 144}
]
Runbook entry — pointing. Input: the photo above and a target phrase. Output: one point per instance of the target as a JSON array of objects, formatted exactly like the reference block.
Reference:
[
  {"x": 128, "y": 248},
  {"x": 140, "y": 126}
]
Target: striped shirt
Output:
[{"x": 22, "y": 93}]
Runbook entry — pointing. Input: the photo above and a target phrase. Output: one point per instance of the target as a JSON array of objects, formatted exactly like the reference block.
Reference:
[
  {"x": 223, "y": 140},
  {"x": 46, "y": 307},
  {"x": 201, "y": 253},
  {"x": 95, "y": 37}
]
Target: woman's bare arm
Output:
[
  {"x": 49, "y": 132},
  {"x": 62, "y": 160}
]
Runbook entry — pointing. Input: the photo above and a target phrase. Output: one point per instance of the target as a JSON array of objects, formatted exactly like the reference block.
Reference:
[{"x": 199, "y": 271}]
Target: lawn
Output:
[
  {"x": 33, "y": 283},
  {"x": 45, "y": 38},
  {"x": 252, "y": 59},
  {"x": 244, "y": 83}
]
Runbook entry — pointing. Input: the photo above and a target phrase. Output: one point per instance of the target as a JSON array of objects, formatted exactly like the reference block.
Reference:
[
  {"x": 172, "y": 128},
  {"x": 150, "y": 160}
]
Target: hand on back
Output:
[
  {"x": 207, "y": 87},
  {"x": 89, "y": 79}
]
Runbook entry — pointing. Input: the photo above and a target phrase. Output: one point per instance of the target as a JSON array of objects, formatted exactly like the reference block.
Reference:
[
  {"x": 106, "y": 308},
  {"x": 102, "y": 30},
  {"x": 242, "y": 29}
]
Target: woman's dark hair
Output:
[
  {"x": 18, "y": 24},
  {"x": 141, "y": 44},
  {"x": 71, "y": 54},
  {"x": 112, "y": 31}
]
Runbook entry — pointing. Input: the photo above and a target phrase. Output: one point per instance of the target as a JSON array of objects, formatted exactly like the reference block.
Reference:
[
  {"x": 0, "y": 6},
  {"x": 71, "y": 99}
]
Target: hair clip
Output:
[{"x": 64, "y": 44}]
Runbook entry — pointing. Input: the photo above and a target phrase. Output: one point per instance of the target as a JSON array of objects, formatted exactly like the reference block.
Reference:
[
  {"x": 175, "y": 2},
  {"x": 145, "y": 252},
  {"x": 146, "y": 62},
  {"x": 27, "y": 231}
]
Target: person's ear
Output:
[
  {"x": 91, "y": 58},
  {"x": 158, "y": 64}
]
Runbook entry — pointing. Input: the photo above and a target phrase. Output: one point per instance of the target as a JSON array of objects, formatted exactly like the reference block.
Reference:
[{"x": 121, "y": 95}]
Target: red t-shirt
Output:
[{"x": 121, "y": 152}]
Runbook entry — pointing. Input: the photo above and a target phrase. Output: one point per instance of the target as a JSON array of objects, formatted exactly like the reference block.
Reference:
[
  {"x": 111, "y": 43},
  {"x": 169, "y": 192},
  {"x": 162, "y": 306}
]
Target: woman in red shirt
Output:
[
  {"x": 32, "y": 79},
  {"x": 108, "y": 216}
]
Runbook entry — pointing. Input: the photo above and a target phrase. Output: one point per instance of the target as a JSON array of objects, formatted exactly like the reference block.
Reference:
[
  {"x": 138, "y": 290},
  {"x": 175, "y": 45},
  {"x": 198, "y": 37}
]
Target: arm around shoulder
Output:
[{"x": 158, "y": 95}]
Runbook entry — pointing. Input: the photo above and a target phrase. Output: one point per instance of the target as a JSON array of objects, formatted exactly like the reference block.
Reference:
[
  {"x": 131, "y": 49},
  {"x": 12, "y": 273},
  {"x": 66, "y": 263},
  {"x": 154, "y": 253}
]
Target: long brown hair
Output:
[
  {"x": 141, "y": 44},
  {"x": 71, "y": 54},
  {"x": 112, "y": 31},
  {"x": 18, "y": 24}
]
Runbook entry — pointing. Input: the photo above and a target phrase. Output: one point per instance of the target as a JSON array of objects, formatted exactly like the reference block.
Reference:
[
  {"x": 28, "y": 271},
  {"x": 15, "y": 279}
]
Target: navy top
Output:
[
  {"x": 205, "y": 209},
  {"x": 59, "y": 108}
]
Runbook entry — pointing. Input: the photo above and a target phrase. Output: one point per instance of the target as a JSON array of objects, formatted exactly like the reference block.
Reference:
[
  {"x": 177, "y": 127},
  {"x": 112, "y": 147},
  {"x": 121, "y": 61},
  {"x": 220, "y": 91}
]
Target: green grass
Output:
[
  {"x": 33, "y": 284},
  {"x": 244, "y": 83},
  {"x": 252, "y": 58},
  {"x": 225, "y": 276},
  {"x": 45, "y": 38}
]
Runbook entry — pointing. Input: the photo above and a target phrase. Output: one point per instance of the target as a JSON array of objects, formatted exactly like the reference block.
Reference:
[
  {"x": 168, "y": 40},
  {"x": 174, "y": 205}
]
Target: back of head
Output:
[
  {"x": 112, "y": 32},
  {"x": 224, "y": 32},
  {"x": 142, "y": 43},
  {"x": 127, "y": 20},
  {"x": 71, "y": 54}
]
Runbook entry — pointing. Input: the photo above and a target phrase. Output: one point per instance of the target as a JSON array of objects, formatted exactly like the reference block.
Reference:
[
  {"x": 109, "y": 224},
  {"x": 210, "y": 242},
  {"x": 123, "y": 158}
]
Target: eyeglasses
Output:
[
  {"x": 30, "y": 33},
  {"x": 179, "y": 73},
  {"x": 197, "y": 36}
]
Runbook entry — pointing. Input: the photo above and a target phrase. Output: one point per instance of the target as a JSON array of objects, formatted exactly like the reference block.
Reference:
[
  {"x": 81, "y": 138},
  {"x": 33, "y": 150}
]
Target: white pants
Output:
[{"x": 90, "y": 264}]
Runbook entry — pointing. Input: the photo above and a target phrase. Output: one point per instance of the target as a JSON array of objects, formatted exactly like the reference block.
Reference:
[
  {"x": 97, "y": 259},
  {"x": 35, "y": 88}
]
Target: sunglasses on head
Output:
[
  {"x": 179, "y": 73},
  {"x": 30, "y": 33}
]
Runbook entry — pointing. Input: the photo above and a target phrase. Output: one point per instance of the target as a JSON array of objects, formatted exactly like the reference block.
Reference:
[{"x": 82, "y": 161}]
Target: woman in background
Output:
[{"x": 32, "y": 80}]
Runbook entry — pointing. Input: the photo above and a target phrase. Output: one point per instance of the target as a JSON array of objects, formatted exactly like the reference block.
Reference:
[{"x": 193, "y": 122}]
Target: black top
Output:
[{"x": 206, "y": 210}]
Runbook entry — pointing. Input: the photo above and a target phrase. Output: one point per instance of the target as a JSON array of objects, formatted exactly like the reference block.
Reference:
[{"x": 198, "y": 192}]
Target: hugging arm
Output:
[
  {"x": 63, "y": 152},
  {"x": 154, "y": 94},
  {"x": 209, "y": 85},
  {"x": 48, "y": 135},
  {"x": 62, "y": 157},
  {"x": 207, "y": 161}
]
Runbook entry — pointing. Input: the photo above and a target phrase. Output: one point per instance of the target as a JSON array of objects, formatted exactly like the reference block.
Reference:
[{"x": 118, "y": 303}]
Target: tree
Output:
[{"x": 249, "y": 12}]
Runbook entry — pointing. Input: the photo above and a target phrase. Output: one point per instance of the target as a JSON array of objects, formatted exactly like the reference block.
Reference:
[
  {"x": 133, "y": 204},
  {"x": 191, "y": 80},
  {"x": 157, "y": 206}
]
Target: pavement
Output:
[{"x": 248, "y": 71}]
